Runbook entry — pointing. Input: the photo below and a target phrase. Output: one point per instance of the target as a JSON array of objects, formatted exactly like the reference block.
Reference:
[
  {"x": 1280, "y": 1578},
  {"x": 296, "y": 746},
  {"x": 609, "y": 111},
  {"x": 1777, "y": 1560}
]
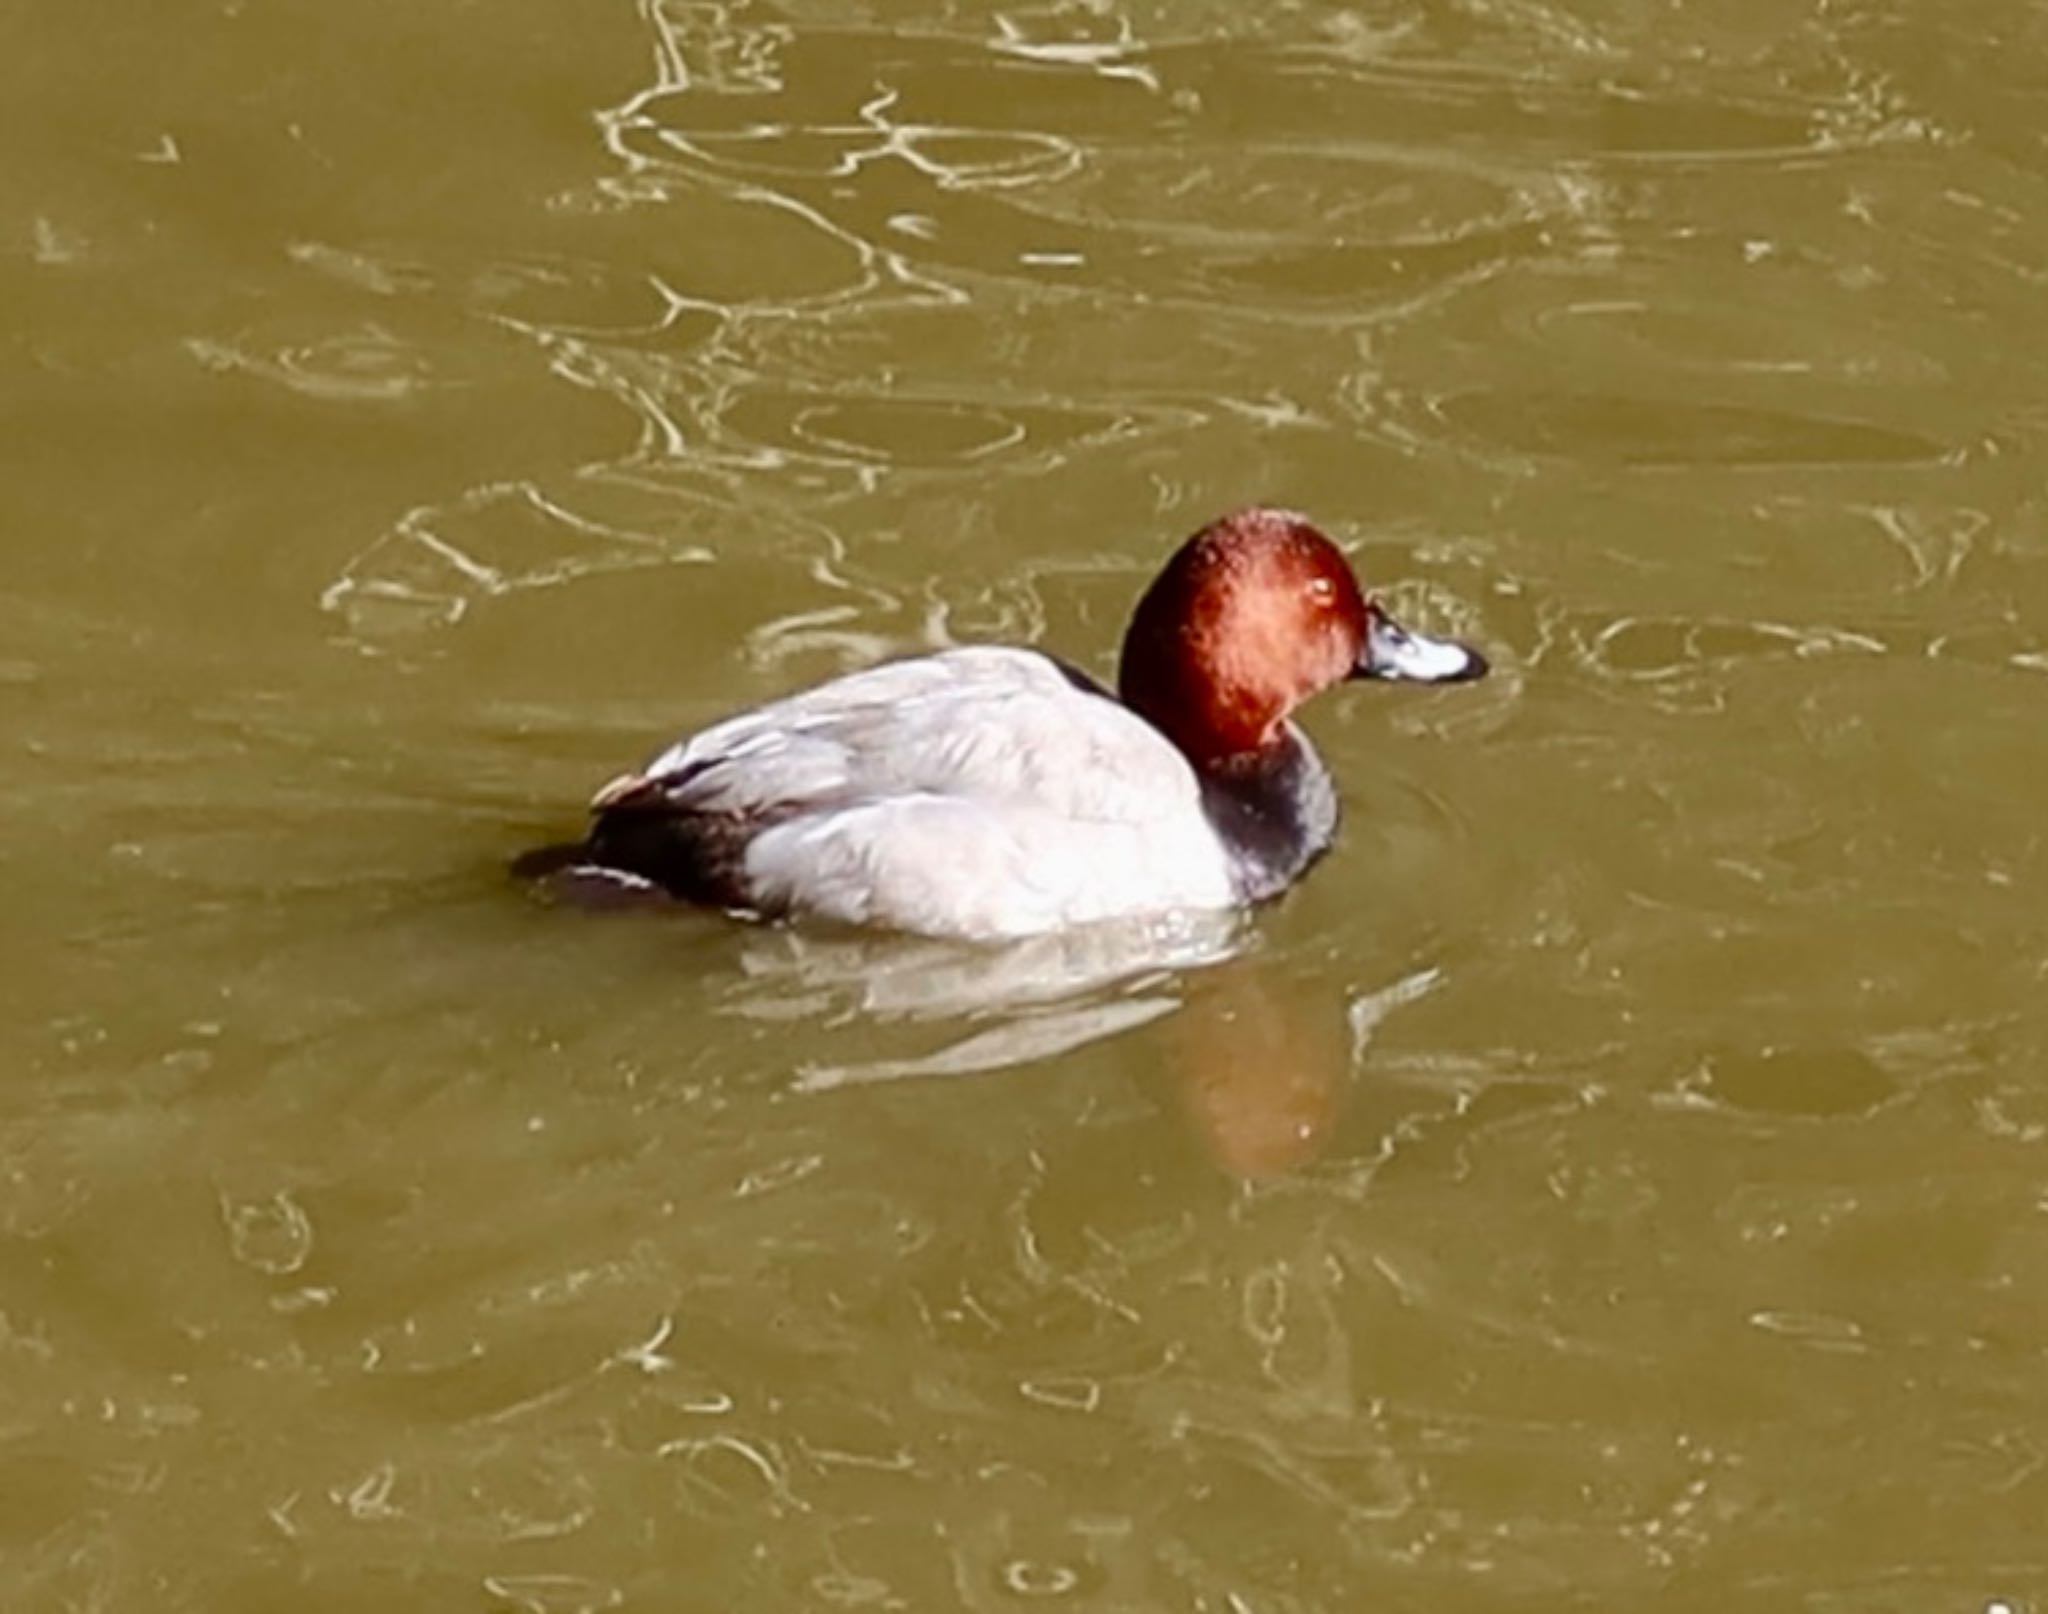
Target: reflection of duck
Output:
[
  {"x": 993, "y": 792},
  {"x": 1260, "y": 1078}
]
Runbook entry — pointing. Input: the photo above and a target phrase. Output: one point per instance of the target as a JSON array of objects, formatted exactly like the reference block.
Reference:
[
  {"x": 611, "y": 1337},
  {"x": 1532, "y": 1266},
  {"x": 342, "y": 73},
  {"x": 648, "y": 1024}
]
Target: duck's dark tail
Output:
[{"x": 637, "y": 854}]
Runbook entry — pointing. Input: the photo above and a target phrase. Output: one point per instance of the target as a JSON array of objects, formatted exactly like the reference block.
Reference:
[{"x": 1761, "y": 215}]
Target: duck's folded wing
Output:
[{"x": 993, "y": 726}]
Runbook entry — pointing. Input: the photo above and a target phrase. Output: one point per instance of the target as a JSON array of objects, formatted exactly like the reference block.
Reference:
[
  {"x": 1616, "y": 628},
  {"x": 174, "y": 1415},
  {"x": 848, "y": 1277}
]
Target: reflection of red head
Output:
[{"x": 1262, "y": 1085}]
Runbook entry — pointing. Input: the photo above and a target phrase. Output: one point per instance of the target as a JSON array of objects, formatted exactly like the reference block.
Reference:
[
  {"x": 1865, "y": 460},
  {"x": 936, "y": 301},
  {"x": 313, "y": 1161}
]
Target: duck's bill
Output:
[{"x": 1392, "y": 652}]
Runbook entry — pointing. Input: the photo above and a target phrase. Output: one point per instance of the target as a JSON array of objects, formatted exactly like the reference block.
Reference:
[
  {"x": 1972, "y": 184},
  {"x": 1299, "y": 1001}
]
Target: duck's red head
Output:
[{"x": 1253, "y": 615}]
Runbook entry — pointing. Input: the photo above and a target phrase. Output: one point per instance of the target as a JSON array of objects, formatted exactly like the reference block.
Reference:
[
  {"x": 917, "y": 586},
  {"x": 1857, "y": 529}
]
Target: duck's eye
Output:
[{"x": 1322, "y": 590}]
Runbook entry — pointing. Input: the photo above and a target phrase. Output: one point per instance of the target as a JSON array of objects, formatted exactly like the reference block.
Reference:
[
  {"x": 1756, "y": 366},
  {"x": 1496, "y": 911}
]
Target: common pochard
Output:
[{"x": 991, "y": 792}]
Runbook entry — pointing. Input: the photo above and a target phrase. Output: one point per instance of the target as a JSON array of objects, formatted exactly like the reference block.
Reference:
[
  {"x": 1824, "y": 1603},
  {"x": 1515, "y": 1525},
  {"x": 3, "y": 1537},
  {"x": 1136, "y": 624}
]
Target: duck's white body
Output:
[{"x": 980, "y": 792}]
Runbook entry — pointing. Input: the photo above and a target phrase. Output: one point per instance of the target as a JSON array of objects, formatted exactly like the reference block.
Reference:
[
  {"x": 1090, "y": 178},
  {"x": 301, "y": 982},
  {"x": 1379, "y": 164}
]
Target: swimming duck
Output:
[{"x": 991, "y": 792}]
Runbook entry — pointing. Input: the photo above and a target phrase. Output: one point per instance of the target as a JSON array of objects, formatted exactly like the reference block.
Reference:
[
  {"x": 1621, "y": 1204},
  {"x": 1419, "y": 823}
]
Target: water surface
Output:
[{"x": 1613, "y": 1180}]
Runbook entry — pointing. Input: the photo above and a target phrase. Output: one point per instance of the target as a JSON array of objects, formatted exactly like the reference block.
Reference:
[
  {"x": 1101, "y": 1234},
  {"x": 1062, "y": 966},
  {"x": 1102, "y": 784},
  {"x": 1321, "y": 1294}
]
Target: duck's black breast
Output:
[{"x": 1275, "y": 812}]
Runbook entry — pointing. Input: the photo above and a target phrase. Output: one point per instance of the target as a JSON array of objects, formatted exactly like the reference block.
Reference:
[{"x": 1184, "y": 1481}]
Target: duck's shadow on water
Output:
[{"x": 1260, "y": 1071}]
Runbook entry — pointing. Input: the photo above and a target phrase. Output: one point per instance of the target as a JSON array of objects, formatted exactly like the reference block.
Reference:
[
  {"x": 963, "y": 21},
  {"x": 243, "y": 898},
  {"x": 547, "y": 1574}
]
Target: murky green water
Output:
[{"x": 1615, "y": 1180}]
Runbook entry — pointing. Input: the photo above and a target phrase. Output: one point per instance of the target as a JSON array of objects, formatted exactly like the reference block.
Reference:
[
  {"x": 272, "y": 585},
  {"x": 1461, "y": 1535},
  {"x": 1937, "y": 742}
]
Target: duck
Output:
[{"x": 987, "y": 793}]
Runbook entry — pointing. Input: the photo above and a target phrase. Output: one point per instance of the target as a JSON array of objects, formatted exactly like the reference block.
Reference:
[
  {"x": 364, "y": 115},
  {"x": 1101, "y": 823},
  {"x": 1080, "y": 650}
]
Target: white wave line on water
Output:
[
  {"x": 753, "y": 73},
  {"x": 362, "y": 580},
  {"x": 582, "y": 365},
  {"x": 1109, "y": 58}
]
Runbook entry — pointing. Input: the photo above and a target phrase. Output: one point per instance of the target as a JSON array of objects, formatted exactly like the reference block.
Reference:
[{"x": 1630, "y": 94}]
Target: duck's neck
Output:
[
  {"x": 1214, "y": 723},
  {"x": 1274, "y": 809}
]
